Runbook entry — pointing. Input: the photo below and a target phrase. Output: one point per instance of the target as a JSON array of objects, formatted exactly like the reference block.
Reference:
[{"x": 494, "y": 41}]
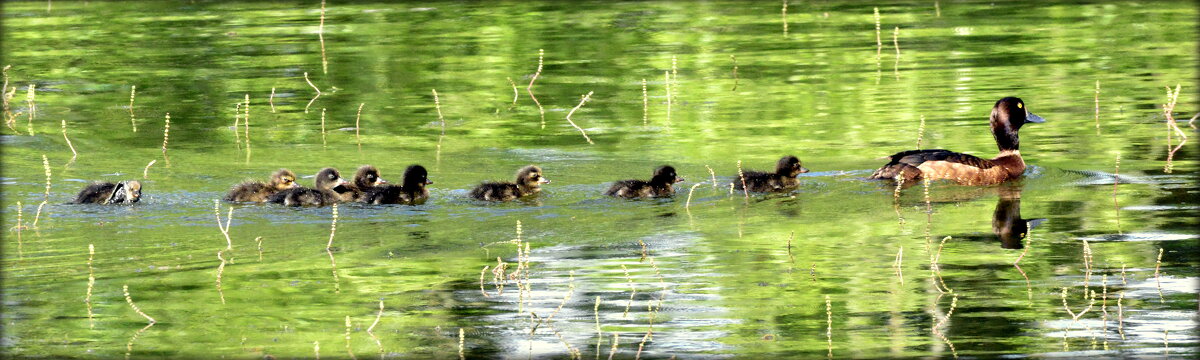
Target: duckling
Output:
[
  {"x": 366, "y": 178},
  {"x": 783, "y": 179},
  {"x": 660, "y": 185},
  {"x": 325, "y": 193},
  {"x": 529, "y": 181},
  {"x": 124, "y": 192},
  {"x": 1008, "y": 115},
  {"x": 411, "y": 191},
  {"x": 257, "y": 191}
]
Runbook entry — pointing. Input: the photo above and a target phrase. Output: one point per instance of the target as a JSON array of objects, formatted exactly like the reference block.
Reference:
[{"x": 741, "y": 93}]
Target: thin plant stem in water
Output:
[
  {"x": 529, "y": 89},
  {"x": 828, "y": 327},
  {"x": 734, "y": 58},
  {"x": 616, "y": 340},
  {"x": 132, "y": 119},
  {"x": 357, "y": 126},
  {"x": 46, "y": 194},
  {"x": 258, "y": 241},
  {"x": 129, "y": 300},
  {"x": 146, "y": 171},
  {"x": 599, "y": 333},
  {"x": 632, "y": 290},
  {"x": 87, "y": 300},
  {"x": 337, "y": 287},
  {"x": 583, "y": 100},
  {"x": 921, "y": 132},
  {"x": 742, "y": 176},
  {"x": 271, "y": 100},
  {"x": 321, "y": 36},
  {"x": 645, "y": 104},
  {"x": 310, "y": 83},
  {"x": 166, "y": 137},
  {"x": 687, "y": 205},
  {"x": 31, "y": 106},
  {"x": 785, "y": 25},
  {"x": 246, "y": 122},
  {"x": 371, "y": 332},
  {"x": 348, "y": 351},
  {"x": 1097, "y": 107},
  {"x": 516, "y": 94},
  {"x": 438, "y": 105},
  {"x": 878, "y": 37},
  {"x": 237, "y": 123},
  {"x": 1158, "y": 275},
  {"x": 899, "y": 264},
  {"x": 1117, "y": 181},
  {"x": 462, "y": 340},
  {"x": 896, "y": 43},
  {"x": 323, "y": 142},
  {"x": 712, "y": 174}
]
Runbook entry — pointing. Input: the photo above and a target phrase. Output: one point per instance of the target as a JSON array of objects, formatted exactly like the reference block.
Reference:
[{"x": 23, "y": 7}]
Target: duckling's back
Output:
[
  {"x": 95, "y": 193},
  {"x": 496, "y": 191}
]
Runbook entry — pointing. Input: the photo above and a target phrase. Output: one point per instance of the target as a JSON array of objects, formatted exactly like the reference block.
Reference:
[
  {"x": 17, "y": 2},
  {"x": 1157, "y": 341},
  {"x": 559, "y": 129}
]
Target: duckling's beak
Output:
[
  {"x": 294, "y": 185},
  {"x": 427, "y": 182},
  {"x": 803, "y": 169},
  {"x": 678, "y": 179},
  {"x": 1031, "y": 118},
  {"x": 543, "y": 181},
  {"x": 380, "y": 181}
]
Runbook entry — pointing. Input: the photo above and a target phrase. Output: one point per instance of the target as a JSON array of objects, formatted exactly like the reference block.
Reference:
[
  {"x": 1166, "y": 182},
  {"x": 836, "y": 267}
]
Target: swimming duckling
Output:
[
  {"x": 324, "y": 194},
  {"x": 1008, "y": 115},
  {"x": 411, "y": 191},
  {"x": 529, "y": 181},
  {"x": 366, "y": 178},
  {"x": 660, "y": 185},
  {"x": 783, "y": 179},
  {"x": 125, "y": 192},
  {"x": 258, "y": 191}
]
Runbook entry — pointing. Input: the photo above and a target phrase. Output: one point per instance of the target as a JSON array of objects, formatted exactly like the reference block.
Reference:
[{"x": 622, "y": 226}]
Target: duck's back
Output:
[
  {"x": 630, "y": 189},
  {"x": 392, "y": 194},
  {"x": 250, "y": 191},
  {"x": 304, "y": 197},
  {"x": 496, "y": 191},
  {"x": 936, "y": 164},
  {"x": 758, "y": 181},
  {"x": 95, "y": 193}
]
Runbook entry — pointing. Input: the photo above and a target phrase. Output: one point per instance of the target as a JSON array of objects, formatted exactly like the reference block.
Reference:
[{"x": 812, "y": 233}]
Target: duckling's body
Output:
[
  {"x": 365, "y": 179},
  {"x": 412, "y": 190},
  {"x": 257, "y": 191},
  {"x": 783, "y": 179},
  {"x": 1008, "y": 115},
  {"x": 660, "y": 185},
  {"x": 124, "y": 192},
  {"x": 322, "y": 195},
  {"x": 528, "y": 182}
]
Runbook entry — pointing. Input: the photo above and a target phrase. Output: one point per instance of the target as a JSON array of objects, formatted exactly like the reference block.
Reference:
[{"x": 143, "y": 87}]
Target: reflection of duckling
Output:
[
  {"x": 125, "y": 192},
  {"x": 529, "y": 181},
  {"x": 660, "y": 185},
  {"x": 1008, "y": 115},
  {"x": 327, "y": 180},
  {"x": 411, "y": 191},
  {"x": 257, "y": 191},
  {"x": 783, "y": 179},
  {"x": 366, "y": 178}
]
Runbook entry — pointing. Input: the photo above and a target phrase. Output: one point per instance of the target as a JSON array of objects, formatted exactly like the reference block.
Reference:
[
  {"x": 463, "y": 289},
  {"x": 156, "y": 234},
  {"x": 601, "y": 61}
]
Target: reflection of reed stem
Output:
[
  {"x": 734, "y": 59},
  {"x": 613, "y": 351},
  {"x": 348, "y": 351},
  {"x": 132, "y": 120},
  {"x": 529, "y": 89},
  {"x": 317, "y": 350},
  {"x": 129, "y": 300},
  {"x": 481, "y": 288},
  {"x": 742, "y": 176},
  {"x": 258, "y": 240},
  {"x": 921, "y": 132},
  {"x": 1097, "y": 107},
  {"x": 31, "y": 106},
  {"x": 632, "y": 290},
  {"x": 166, "y": 137},
  {"x": 323, "y": 142},
  {"x": 1121, "y": 315},
  {"x": 462, "y": 342},
  {"x": 937, "y": 8},
  {"x": 581, "y": 102},
  {"x": 667, "y": 80},
  {"x": 337, "y": 287},
  {"x": 438, "y": 105},
  {"x": 1104, "y": 308},
  {"x": 645, "y": 104},
  {"x": 828, "y": 327},
  {"x": 878, "y": 37},
  {"x": 785, "y": 29},
  {"x": 321, "y": 36},
  {"x": 271, "y": 100},
  {"x": 1116, "y": 181},
  {"x": 237, "y": 123},
  {"x": 599, "y": 333},
  {"x": 91, "y": 284},
  {"x": 1157, "y": 275},
  {"x": 896, "y": 43},
  {"x": 516, "y": 94},
  {"x": 899, "y": 264},
  {"x": 310, "y": 102}
]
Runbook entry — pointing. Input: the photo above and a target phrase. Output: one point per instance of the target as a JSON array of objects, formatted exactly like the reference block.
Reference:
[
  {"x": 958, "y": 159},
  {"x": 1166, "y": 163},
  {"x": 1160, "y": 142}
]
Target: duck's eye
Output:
[{"x": 1020, "y": 106}]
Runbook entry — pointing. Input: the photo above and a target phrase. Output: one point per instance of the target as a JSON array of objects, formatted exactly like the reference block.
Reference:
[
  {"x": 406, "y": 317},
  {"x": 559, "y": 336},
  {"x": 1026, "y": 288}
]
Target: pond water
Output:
[{"x": 840, "y": 267}]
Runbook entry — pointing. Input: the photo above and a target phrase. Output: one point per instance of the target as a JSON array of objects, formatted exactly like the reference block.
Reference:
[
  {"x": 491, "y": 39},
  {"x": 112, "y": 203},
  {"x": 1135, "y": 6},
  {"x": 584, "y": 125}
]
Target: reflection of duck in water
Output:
[
  {"x": 1008, "y": 115},
  {"x": 1007, "y": 223}
]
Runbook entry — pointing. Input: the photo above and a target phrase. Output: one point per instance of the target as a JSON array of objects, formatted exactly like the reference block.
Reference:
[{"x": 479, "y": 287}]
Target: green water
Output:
[{"x": 727, "y": 276}]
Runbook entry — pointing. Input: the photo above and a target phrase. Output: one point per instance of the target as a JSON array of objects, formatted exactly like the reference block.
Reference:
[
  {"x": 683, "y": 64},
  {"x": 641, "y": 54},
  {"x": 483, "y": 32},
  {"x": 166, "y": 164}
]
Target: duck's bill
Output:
[
  {"x": 543, "y": 181},
  {"x": 678, "y": 180},
  {"x": 803, "y": 169},
  {"x": 294, "y": 185},
  {"x": 1030, "y": 117},
  {"x": 427, "y": 182},
  {"x": 380, "y": 181}
]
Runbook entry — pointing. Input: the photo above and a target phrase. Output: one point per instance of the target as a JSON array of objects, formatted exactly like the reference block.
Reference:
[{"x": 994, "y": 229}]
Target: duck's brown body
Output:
[
  {"x": 257, "y": 191},
  {"x": 528, "y": 182},
  {"x": 783, "y": 179},
  {"x": 1008, "y": 115},
  {"x": 660, "y": 185},
  {"x": 125, "y": 192}
]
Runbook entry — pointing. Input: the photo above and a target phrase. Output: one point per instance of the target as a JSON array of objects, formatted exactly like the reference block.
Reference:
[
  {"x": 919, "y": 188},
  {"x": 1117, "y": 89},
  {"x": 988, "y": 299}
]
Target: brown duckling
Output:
[
  {"x": 529, "y": 181},
  {"x": 783, "y": 179},
  {"x": 258, "y": 191},
  {"x": 125, "y": 192},
  {"x": 1008, "y": 115},
  {"x": 328, "y": 181},
  {"x": 660, "y": 185},
  {"x": 366, "y": 178},
  {"x": 412, "y": 190}
]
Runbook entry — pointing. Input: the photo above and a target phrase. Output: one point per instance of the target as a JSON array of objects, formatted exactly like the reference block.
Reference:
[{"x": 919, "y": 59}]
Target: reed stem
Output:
[
  {"x": 91, "y": 284},
  {"x": 438, "y": 105},
  {"x": 583, "y": 100},
  {"x": 321, "y": 36},
  {"x": 462, "y": 340},
  {"x": 166, "y": 137},
  {"x": 828, "y": 327},
  {"x": 632, "y": 290},
  {"x": 1157, "y": 275},
  {"x": 878, "y": 37},
  {"x": 734, "y": 58},
  {"x": 246, "y": 123},
  {"x": 529, "y": 89},
  {"x": 237, "y": 124},
  {"x": 146, "y": 171},
  {"x": 46, "y": 195},
  {"x": 785, "y": 24},
  {"x": 899, "y": 265},
  {"x": 742, "y": 176},
  {"x": 645, "y": 104},
  {"x": 348, "y": 351},
  {"x": 1117, "y": 181},
  {"x": 667, "y": 81},
  {"x": 129, "y": 300},
  {"x": 310, "y": 102},
  {"x": 616, "y": 340},
  {"x": 132, "y": 118},
  {"x": 271, "y": 100},
  {"x": 1097, "y": 107},
  {"x": 31, "y": 106},
  {"x": 323, "y": 141},
  {"x": 337, "y": 287}
]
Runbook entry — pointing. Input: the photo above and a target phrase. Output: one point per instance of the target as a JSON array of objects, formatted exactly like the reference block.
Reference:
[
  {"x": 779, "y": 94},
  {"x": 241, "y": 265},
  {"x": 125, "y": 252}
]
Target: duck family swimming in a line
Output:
[{"x": 1007, "y": 117}]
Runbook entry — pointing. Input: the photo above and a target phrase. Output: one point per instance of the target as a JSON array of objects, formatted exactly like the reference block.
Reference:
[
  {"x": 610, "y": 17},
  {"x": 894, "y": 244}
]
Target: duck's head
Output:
[
  {"x": 530, "y": 177},
  {"x": 665, "y": 175},
  {"x": 126, "y": 192},
  {"x": 415, "y": 177},
  {"x": 283, "y": 179},
  {"x": 367, "y": 176},
  {"x": 1008, "y": 115},
  {"x": 329, "y": 179},
  {"x": 789, "y": 166}
]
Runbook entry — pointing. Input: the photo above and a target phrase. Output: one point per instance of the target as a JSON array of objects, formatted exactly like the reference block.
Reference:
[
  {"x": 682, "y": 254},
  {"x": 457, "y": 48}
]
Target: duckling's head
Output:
[
  {"x": 789, "y": 166},
  {"x": 367, "y": 176},
  {"x": 665, "y": 175},
  {"x": 329, "y": 179},
  {"x": 1008, "y": 115},
  {"x": 126, "y": 192},
  {"x": 415, "y": 177},
  {"x": 283, "y": 179},
  {"x": 530, "y": 177}
]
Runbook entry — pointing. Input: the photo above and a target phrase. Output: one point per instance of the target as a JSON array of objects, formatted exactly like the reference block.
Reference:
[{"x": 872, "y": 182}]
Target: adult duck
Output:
[{"x": 1008, "y": 115}]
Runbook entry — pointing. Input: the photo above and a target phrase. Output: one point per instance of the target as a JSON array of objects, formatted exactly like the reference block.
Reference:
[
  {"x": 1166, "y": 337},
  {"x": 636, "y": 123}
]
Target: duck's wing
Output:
[
  {"x": 625, "y": 188},
  {"x": 908, "y": 164},
  {"x": 95, "y": 193}
]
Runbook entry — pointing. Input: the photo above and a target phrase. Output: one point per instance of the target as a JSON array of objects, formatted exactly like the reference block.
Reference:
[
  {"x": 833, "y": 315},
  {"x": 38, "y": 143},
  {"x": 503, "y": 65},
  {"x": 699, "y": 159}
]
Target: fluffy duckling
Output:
[
  {"x": 529, "y": 181},
  {"x": 125, "y": 192},
  {"x": 660, "y": 185},
  {"x": 411, "y": 191},
  {"x": 366, "y": 178},
  {"x": 258, "y": 191},
  {"x": 1008, "y": 115},
  {"x": 328, "y": 179},
  {"x": 783, "y": 179}
]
